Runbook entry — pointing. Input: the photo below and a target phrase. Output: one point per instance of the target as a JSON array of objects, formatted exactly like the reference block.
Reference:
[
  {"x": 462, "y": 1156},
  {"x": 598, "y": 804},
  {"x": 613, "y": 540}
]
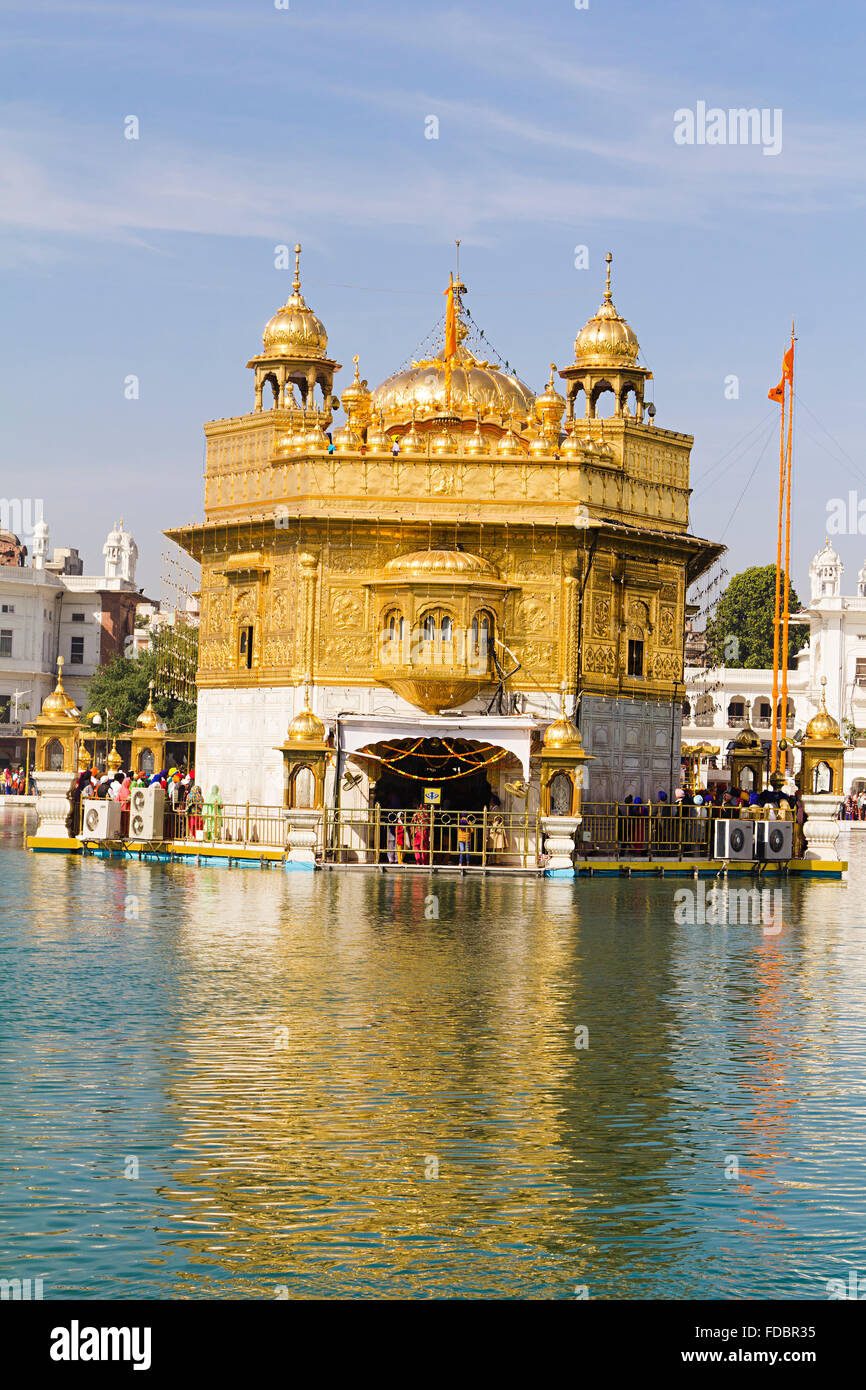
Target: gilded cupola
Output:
[
  {"x": 606, "y": 352},
  {"x": 294, "y": 356},
  {"x": 294, "y": 330}
]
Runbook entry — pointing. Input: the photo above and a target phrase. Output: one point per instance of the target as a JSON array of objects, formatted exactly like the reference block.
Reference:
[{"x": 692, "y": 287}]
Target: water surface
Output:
[{"x": 283, "y": 1063}]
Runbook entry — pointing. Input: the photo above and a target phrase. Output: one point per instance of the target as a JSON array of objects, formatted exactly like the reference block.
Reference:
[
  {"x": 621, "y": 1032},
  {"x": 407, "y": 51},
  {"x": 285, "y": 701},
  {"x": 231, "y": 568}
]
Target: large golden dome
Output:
[
  {"x": 294, "y": 330},
  {"x": 472, "y": 386},
  {"x": 606, "y": 339},
  {"x": 475, "y": 387}
]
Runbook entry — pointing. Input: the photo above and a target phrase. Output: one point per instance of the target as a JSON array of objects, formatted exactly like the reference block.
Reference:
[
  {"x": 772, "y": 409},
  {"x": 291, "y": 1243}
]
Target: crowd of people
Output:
[
  {"x": 189, "y": 813},
  {"x": 14, "y": 781},
  {"x": 855, "y": 806},
  {"x": 684, "y": 823}
]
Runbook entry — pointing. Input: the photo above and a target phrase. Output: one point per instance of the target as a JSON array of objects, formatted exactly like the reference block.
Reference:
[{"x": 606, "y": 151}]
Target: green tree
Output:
[
  {"x": 741, "y": 633},
  {"x": 122, "y": 687}
]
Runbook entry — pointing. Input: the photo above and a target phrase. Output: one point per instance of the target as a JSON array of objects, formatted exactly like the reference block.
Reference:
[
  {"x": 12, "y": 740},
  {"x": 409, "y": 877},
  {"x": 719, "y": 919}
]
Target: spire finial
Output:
[
  {"x": 607, "y": 295},
  {"x": 59, "y": 667},
  {"x": 296, "y": 283},
  {"x": 356, "y": 359}
]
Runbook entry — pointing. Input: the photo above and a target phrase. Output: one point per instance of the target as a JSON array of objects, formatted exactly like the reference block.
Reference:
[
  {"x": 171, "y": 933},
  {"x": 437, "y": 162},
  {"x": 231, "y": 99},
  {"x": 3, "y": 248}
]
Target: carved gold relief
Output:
[{"x": 601, "y": 617}]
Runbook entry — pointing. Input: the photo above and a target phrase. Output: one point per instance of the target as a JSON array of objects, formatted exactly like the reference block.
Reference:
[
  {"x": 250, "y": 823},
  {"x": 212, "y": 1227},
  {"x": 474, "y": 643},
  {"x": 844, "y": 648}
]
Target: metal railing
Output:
[
  {"x": 430, "y": 836},
  {"x": 485, "y": 838}
]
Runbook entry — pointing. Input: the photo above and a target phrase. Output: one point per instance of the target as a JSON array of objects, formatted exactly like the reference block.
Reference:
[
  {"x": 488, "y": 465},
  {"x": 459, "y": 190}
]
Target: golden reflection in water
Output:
[{"x": 303, "y": 1118}]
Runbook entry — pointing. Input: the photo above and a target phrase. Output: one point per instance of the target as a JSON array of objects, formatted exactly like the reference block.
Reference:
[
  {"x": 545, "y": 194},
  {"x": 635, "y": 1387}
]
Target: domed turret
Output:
[
  {"x": 606, "y": 352},
  {"x": 825, "y": 573},
  {"x": 561, "y": 734},
  {"x": 295, "y": 353}
]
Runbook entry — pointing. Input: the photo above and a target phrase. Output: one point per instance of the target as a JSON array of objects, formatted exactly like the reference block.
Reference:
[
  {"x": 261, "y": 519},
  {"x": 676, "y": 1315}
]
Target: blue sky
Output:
[{"x": 261, "y": 126}]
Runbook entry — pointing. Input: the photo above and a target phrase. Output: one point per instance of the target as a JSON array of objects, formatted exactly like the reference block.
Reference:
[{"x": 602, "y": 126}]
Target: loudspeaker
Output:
[
  {"x": 100, "y": 820},
  {"x": 734, "y": 839},
  {"x": 775, "y": 839},
  {"x": 146, "y": 806}
]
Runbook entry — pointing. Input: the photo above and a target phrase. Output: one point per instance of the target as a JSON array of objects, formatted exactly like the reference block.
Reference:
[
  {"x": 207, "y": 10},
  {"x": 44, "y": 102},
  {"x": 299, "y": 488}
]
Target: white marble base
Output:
[
  {"x": 559, "y": 834},
  {"x": 53, "y": 804},
  {"x": 821, "y": 829},
  {"x": 302, "y": 837}
]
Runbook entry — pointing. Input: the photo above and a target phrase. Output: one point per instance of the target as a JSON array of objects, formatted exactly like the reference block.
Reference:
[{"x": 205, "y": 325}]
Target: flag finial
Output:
[
  {"x": 607, "y": 294},
  {"x": 296, "y": 283}
]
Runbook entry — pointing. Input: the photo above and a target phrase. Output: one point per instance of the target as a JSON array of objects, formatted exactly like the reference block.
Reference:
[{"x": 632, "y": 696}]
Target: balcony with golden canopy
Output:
[{"x": 437, "y": 613}]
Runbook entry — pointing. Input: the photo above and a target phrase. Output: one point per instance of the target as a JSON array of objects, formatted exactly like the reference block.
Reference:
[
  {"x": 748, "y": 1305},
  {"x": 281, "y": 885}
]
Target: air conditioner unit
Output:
[
  {"x": 775, "y": 839},
  {"x": 146, "y": 807},
  {"x": 734, "y": 839},
  {"x": 101, "y": 820}
]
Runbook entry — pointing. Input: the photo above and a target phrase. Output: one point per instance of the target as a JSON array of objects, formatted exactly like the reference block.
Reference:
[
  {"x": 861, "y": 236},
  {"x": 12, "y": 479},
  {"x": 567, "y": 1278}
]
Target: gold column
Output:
[{"x": 309, "y": 566}]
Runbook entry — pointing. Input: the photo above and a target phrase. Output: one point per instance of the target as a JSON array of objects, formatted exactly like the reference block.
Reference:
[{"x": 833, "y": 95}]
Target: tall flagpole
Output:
[
  {"x": 787, "y": 542},
  {"x": 776, "y": 620}
]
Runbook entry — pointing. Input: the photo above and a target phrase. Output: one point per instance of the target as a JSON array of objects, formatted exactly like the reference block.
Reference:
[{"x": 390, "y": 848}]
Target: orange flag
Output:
[
  {"x": 777, "y": 393},
  {"x": 450, "y": 321}
]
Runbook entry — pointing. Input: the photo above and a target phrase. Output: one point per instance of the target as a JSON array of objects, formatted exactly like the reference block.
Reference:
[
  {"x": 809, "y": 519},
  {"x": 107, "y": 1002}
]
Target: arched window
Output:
[
  {"x": 53, "y": 756},
  {"x": 736, "y": 709},
  {"x": 747, "y": 779},
  {"x": 822, "y": 778},
  {"x": 704, "y": 710},
  {"x": 145, "y": 760},
  {"x": 303, "y": 789},
  {"x": 560, "y": 795},
  {"x": 603, "y": 401},
  {"x": 447, "y": 629},
  {"x": 687, "y": 711},
  {"x": 482, "y": 632},
  {"x": 429, "y": 627},
  {"x": 764, "y": 714}
]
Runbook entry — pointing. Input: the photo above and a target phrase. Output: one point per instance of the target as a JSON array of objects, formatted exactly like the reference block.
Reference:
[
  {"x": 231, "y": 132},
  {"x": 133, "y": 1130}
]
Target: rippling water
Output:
[{"x": 286, "y": 1060}]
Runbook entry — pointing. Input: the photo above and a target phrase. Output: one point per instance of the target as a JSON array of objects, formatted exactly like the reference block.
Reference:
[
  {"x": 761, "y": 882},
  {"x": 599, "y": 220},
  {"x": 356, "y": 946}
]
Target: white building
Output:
[
  {"x": 716, "y": 698},
  {"x": 50, "y": 608}
]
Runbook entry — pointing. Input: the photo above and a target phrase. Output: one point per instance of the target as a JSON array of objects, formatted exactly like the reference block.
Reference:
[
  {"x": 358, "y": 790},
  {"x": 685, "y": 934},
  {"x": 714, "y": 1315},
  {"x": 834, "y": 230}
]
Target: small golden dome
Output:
[
  {"x": 427, "y": 562},
  {"x": 562, "y": 734},
  {"x": 346, "y": 441},
  {"x": 444, "y": 442},
  {"x": 476, "y": 445},
  {"x": 541, "y": 446},
  {"x": 294, "y": 330},
  {"x": 355, "y": 400},
  {"x": 149, "y": 719},
  {"x": 58, "y": 705},
  {"x": 747, "y": 738},
  {"x": 509, "y": 446},
  {"x": 114, "y": 761},
  {"x": 606, "y": 339},
  {"x": 572, "y": 447},
  {"x": 315, "y": 441},
  {"x": 412, "y": 443},
  {"x": 377, "y": 440},
  {"x": 822, "y": 725},
  {"x": 306, "y": 727},
  {"x": 550, "y": 405}
]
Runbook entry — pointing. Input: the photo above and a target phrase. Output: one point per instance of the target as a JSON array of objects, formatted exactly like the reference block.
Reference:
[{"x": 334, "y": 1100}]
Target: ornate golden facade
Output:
[{"x": 456, "y": 539}]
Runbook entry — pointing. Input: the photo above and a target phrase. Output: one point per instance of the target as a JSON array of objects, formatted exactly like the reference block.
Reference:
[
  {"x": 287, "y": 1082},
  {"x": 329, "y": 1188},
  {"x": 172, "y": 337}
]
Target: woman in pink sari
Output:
[{"x": 421, "y": 835}]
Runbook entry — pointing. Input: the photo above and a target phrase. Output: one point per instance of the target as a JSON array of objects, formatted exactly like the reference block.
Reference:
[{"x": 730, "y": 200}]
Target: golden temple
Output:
[{"x": 441, "y": 567}]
